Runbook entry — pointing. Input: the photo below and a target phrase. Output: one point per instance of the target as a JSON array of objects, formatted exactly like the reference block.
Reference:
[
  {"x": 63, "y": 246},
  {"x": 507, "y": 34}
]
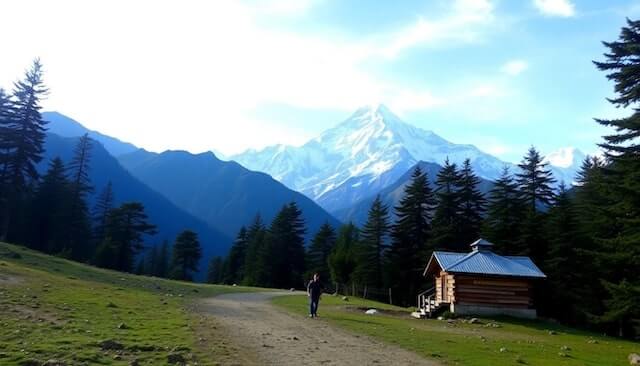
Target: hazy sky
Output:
[{"x": 230, "y": 75}]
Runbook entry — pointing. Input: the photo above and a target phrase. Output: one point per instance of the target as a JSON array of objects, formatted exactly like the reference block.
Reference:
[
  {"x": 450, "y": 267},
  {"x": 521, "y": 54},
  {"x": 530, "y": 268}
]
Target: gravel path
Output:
[{"x": 280, "y": 338}]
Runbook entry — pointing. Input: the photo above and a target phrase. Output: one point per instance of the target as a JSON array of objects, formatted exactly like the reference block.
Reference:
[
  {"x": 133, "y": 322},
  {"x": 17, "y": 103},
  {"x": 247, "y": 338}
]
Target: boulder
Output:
[
  {"x": 175, "y": 358},
  {"x": 110, "y": 344},
  {"x": 634, "y": 359},
  {"x": 474, "y": 321},
  {"x": 371, "y": 312},
  {"x": 344, "y": 298}
]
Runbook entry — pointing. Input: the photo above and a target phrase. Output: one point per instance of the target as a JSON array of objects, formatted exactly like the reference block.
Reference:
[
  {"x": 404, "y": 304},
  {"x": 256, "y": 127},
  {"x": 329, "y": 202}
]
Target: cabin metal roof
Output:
[{"x": 484, "y": 262}]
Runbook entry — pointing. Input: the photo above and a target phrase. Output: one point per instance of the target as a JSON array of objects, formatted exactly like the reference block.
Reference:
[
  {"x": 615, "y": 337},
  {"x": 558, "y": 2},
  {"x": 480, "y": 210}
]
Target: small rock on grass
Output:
[
  {"x": 634, "y": 359},
  {"x": 110, "y": 344},
  {"x": 175, "y": 358}
]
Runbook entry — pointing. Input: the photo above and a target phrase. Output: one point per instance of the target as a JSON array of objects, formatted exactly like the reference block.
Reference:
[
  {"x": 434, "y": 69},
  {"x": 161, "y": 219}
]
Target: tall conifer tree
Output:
[
  {"x": 409, "y": 235},
  {"x": 319, "y": 250},
  {"x": 22, "y": 144},
  {"x": 446, "y": 217},
  {"x": 472, "y": 206},
  {"x": 621, "y": 250},
  {"x": 373, "y": 244}
]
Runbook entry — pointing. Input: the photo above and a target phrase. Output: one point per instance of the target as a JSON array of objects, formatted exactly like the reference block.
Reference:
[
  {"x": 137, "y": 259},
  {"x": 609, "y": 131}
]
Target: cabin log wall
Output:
[{"x": 489, "y": 291}]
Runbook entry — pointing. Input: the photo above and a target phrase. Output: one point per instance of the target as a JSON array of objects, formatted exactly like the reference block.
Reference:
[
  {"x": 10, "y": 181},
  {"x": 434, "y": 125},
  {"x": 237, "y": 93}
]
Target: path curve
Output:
[{"x": 280, "y": 338}]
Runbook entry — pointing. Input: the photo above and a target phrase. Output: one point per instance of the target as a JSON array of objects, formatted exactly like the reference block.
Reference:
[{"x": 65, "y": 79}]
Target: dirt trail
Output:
[{"x": 280, "y": 338}]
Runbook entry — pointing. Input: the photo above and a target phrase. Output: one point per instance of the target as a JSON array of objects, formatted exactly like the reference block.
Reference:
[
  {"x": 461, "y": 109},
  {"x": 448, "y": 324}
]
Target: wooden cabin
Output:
[{"x": 479, "y": 283}]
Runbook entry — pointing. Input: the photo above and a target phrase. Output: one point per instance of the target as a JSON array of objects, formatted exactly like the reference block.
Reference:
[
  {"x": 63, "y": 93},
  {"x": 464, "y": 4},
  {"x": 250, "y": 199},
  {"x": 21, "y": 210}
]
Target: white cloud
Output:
[
  {"x": 562, "y": 8},
  {"x": 168, "y": 74},
  {"x": 514, "y": 67},
  {"x": 463, "y": 23}
]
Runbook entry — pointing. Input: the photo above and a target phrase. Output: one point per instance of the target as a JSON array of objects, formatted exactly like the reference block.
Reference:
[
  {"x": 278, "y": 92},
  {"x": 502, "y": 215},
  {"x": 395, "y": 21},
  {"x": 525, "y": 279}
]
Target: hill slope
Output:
[
  {"x": 55, "y": 309},
  {"x": 223, "y": 194},
  {"x": 64, "y": 126}
]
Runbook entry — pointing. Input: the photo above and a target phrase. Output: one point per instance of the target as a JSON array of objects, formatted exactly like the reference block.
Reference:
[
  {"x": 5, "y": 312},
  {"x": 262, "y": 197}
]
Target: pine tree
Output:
[
  {"x": 126, "y": 227},
  {"x": 534, "y": 183},
  {"x": 373, "y": 245},
  {"x": 257, "y": 268},
  {"x": 409, "y": 235},
  {"x": 286, "y": 247},
  {"x": 472, "y": 206},
  {"x": 151, "y": 261},
  {"x": 48, "y": 219},
  {"x": 343, "y": 258},
  {"x": 620, "y": 250},
  {"x": 505, "y": 212},
  {"x": 80, "y": 183},
  {"x": 162, "y": 269},
  {"x": 215, "y": 270},
  {"x": 446, "y": 220},
  {"x": 186, "y": 254},
  {"x": 234, "y": 270},
  {"x": 22, "y": 143},
  {"x": 319, "y": 250},
  {"x": 569, "y": 294},
  {"x": 104, "y": 205},
  {"x": 6, "y": 145}
]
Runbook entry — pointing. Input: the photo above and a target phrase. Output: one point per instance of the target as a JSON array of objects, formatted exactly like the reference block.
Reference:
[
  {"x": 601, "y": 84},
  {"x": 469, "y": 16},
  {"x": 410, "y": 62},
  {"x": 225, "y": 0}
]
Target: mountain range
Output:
[
  {"x": 222, "y": 194},
  {"x": 169, "y": 218},
  {"x": 366, "y": 153}
]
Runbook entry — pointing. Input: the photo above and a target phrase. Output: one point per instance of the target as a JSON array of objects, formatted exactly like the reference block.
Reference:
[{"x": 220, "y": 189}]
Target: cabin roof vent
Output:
[{"x": 481, "y": 245}]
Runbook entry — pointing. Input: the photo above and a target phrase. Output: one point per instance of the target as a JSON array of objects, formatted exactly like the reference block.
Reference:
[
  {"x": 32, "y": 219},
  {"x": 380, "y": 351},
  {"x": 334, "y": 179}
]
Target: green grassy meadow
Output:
[
  {"x": 51, "y": 308},
  {"x": 513, "y": 342}
]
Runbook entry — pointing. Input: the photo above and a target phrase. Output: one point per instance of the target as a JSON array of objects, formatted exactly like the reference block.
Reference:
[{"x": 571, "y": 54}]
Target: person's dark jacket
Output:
[{"x": 315, "y": 289}]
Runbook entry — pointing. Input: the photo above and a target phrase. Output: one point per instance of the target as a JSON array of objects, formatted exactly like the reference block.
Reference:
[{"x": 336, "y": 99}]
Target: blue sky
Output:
[{"x": 232, "y": 75}]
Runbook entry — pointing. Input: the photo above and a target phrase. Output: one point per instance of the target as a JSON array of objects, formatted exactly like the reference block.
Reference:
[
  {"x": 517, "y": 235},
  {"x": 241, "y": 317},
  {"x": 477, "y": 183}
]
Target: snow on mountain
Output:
[
  {"x": 565, "y": 163},
  {"x": 360, "y": 156}
]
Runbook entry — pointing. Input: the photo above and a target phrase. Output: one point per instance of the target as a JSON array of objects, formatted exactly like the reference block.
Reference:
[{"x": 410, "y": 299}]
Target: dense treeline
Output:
[
  {"x": 51, "y": 213},
  {"x": 585, "y": 237}
]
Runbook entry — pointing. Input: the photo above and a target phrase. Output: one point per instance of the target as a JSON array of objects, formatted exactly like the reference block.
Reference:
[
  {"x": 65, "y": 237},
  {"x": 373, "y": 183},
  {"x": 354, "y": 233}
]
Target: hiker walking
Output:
[{"x": 314, "y": 290}]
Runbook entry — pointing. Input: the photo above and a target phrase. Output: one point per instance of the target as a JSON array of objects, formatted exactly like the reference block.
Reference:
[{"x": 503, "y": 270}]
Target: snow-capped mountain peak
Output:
[{"x": 371, "y": 148}]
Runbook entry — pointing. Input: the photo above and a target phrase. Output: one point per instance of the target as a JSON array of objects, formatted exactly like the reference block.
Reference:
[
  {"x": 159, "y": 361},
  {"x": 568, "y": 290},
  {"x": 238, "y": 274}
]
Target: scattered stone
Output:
[
  {"x": 634, "y": 359},
  {"x": 552, "y": 332},
  {"x": 110, "y": 344},
  {"x": 344, "y": 298},
  {"x": 175, "y": 358},
  {"x": 134, "y": 362},
  {"x": 234, "y": 285},
  {"x": 117, "y": 357},
  {"x": 292, "y": 289},
  {"x": 180, "y": 295},
  {"x": 503, "y": 349},
  {"x": 565, "y": 348},
  {"x": 123, "y": 326},
  {"x": 562, "y": 354},
  {"x": 371, "y": 312},
  {"x": 474, "y": 321},
  {"x": 450, "y": 321},
  {"x": 440, "y": 318},
  {"x": 592, "y": 341}
]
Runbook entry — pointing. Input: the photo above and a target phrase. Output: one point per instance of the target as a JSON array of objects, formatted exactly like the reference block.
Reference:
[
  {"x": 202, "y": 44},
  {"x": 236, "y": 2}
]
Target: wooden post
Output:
[{"x": 390, "y": 300}]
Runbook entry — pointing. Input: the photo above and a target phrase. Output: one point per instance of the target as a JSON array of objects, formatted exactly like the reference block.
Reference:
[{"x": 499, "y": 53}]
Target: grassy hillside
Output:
[
  {"x": 509, "y": 342},
  {"x": 51, "y": 308}
]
